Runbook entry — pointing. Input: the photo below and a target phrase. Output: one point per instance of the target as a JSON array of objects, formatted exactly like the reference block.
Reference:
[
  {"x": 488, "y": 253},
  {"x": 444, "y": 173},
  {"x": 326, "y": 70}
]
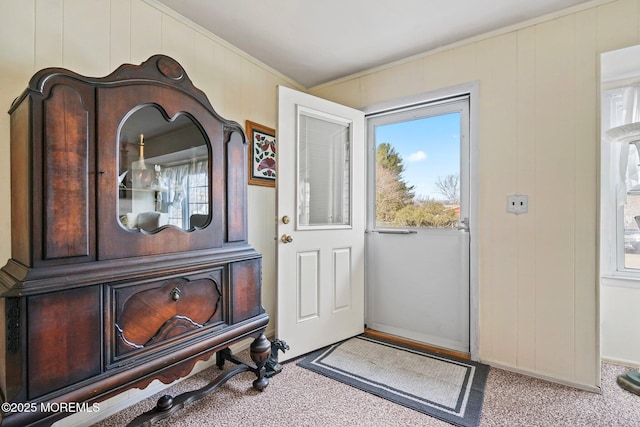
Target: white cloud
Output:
[{"x": 418, "y": 156}]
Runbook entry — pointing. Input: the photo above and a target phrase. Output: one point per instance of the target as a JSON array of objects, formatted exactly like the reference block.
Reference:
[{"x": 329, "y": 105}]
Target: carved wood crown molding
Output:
[{"x": 159, "y": 69}]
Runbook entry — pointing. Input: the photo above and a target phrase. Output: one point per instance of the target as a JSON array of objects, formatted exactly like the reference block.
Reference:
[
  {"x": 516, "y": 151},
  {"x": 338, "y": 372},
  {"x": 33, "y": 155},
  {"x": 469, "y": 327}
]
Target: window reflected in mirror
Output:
[{"x": 163, "y": 176}]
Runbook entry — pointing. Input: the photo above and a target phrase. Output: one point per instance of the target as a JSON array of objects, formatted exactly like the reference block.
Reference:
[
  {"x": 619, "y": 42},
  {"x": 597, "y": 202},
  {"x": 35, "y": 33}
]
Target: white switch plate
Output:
[{"x": 517, "y": 204}]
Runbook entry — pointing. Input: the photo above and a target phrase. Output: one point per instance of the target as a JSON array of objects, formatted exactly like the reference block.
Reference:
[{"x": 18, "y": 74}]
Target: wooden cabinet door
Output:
[{"x": 53, "y": 175}]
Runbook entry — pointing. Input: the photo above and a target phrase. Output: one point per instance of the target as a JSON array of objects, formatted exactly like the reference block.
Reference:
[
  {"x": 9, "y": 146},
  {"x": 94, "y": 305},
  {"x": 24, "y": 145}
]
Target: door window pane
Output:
[
  {"x": 324, "y": 187},
  {"x": 418, "y": 172}
]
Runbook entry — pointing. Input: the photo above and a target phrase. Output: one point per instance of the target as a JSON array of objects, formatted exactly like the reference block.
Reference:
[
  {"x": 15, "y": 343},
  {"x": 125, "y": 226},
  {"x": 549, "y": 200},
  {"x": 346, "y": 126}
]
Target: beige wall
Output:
[
  {"x": 538, "y": 136},
  {"x": 539, "y": 129}
]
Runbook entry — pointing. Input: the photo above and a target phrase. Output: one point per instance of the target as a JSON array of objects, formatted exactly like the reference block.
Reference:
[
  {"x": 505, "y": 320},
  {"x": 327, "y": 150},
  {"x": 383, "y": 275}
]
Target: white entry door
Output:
[
  {"x": 418, "y": 282},
  {"x": 321, "y": 221}
]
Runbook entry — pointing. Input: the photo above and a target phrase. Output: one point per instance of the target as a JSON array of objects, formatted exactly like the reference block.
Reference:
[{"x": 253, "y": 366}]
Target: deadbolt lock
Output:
[{"x": 285, "y": 219}]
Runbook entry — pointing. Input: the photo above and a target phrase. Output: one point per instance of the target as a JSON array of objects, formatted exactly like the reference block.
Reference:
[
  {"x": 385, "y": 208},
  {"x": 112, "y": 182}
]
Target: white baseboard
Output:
[
  {"x": 585, "y": 387},
  {"x": 621, "y": 362}
]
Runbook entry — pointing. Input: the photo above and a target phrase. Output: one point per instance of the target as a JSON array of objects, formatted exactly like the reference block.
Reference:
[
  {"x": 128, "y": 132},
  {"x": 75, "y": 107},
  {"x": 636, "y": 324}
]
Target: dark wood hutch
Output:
[{"x": 130, "y": 259}]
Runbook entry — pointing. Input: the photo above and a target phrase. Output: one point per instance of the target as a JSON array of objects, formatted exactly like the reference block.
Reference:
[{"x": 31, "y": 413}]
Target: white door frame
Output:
[{"x": 473, "y": 90}]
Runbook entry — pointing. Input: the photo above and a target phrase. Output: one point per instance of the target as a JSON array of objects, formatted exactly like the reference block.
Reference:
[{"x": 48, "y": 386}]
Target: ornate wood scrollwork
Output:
[{"x": 13, "y": 325}]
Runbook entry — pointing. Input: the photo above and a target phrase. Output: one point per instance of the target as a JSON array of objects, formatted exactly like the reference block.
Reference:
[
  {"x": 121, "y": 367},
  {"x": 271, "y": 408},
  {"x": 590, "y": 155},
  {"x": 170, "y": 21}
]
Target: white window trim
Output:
[{"x": 612, "y": 253}]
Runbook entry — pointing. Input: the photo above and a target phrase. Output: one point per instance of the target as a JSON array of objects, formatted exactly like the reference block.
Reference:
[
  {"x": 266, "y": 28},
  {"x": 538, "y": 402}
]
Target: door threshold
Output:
[{"x": 415, "y": 344}]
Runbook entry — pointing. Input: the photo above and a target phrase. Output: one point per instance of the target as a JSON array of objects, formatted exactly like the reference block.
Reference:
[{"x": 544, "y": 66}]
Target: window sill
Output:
[{"x": 621, "y": 280}]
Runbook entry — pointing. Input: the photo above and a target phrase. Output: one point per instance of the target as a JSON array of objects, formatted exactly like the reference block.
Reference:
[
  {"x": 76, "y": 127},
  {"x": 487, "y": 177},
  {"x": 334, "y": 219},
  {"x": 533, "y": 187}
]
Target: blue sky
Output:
[{"x": 429, "y": 147}]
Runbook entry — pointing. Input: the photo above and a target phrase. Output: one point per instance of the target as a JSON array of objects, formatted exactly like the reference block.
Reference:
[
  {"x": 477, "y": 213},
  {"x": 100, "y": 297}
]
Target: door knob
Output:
[{"x": 286, "y": 238}]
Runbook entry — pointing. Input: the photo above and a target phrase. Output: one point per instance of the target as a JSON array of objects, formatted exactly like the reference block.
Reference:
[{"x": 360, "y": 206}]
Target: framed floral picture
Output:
[{"x": 262, "y": 154}]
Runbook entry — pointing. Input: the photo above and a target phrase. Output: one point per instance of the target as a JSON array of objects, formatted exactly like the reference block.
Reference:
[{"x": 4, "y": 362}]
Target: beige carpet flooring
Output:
[{"x": 299, "y": 397}]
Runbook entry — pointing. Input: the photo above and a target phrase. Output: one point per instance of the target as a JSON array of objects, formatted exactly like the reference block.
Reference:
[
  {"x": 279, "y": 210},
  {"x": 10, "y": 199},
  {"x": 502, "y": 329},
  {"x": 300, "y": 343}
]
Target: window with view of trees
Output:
[{"x": 427, "y": 193}]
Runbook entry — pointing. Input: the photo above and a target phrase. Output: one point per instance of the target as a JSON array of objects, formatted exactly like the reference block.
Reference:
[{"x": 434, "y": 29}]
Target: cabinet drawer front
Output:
[{"x": 152, "y": 313}]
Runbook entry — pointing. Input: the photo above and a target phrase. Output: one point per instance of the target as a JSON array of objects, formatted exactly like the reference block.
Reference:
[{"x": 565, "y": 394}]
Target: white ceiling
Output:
[{"x": 316, "y": 41}]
